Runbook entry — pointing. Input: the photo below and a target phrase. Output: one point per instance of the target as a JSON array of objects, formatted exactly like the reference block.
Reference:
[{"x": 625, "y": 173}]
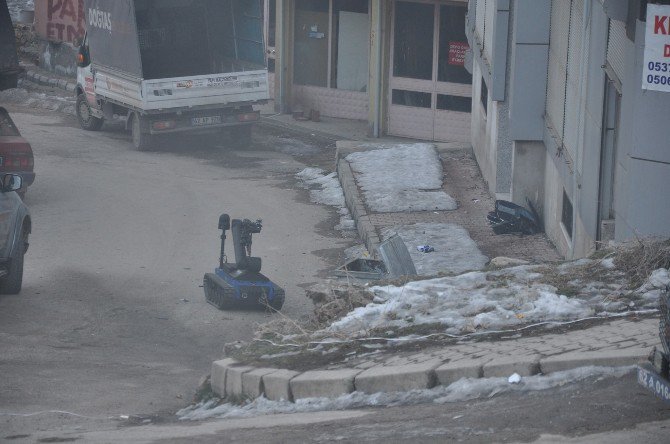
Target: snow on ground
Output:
[
  {"x": 401, "y": 177},
  {"x": 455, "y": 252},
  {"x": 493, "y": 300},
  {"x": 462, "y": 390},
  {"x": 325, "y": 189}
]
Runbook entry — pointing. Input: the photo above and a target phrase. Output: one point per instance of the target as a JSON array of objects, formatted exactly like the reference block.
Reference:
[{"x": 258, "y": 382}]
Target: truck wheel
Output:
[
  {"x": 141, "y": 140},
  {"x": 86, "y": 118},
  {"x": 241, "y": 136},
  {"x": 12, "y": 282}
]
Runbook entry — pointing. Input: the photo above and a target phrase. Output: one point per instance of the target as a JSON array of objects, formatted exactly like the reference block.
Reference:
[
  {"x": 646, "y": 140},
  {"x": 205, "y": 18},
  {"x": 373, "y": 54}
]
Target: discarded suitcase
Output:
[{"x": 509, "y": 217}]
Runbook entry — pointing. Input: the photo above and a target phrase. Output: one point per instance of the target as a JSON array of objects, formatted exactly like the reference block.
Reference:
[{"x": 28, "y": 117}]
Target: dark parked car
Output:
[
  {"x": 15, "y": 227},
  {"x": 16, "y": 155}
]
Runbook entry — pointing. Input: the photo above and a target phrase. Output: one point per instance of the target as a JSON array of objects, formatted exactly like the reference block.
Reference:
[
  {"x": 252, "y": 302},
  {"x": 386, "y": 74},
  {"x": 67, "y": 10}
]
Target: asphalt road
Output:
[{"x": 112, "y": 319}]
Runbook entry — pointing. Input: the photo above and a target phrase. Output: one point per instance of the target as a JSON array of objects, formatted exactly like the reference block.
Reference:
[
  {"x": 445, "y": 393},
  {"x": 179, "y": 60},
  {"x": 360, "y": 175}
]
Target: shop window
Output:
[
  {"x": 566, "y": 214},
  {"x": 337, "y": 27},
  {"x": 413, "y": 40},
  {"x": 453, "y": 44},
  {"x": 454, "y": 103},
  {"x": 311, "y": 42},
  {"x": 410, "y": 98}
]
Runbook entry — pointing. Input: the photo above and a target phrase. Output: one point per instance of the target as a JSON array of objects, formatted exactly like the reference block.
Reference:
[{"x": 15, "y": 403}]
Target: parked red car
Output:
[{"x": 16, "y": 155}]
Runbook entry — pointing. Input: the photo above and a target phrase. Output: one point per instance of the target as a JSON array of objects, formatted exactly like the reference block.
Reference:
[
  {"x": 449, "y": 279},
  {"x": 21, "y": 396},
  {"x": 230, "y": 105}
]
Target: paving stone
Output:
[
  {"x": 277, "y": 385},
  {"x": 234, "y": 379},
  {"x": 527, "y": 365},
  {"x": 606, "y": 358},
  {"x": 323, "y": 383},
  {"x": 398, "y": 378},
  {"x": 252, "y": 382},
  {"x": 453, "y": 371},
  {"x": 218, "y": 376}
]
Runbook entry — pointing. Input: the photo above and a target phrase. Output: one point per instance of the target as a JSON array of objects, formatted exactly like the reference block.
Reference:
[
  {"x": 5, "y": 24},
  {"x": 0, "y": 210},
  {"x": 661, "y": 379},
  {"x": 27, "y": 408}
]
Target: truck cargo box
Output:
[{"x": 165, "y": 54}]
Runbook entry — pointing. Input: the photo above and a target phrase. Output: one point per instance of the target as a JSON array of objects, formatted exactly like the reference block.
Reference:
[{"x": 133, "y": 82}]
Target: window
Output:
[
  {"x": 454, "y": 103},
  {"x": 566, "y": 216},
  {"x": 410, "y": 98},
  {"x": 337, "y": 27},
  {"x": 453, "y": 44},
  {"x": 413, "y": 42},
  {"x": 484, "y": 92}
]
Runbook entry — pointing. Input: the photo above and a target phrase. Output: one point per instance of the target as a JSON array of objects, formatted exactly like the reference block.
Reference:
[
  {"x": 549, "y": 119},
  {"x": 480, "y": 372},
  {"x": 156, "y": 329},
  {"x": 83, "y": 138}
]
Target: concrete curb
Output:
[
  {"x": 55, "y": 82},
  {"x": 230, "y": 378}
]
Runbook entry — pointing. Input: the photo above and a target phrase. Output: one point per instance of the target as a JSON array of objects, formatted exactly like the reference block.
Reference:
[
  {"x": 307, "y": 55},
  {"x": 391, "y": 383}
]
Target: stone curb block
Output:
[
  {"x": 453, "y": 371},
  {"x": 277, "y": 385},
  {"x": 323, "y": 383},
  {"x": 508, "y": 365},
  {"x": 609, "y": 358},
  {"x": 252, "y": 382},
  {"x": 399, "y": 378},
  {"x": 356, "y": 207},
  {"x": 218, "y": 375},
  {"x": 234, "y": 379}
]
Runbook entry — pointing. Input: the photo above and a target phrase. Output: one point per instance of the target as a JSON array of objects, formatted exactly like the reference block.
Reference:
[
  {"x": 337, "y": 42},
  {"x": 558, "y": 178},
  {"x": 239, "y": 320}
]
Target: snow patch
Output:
[
  {"x": 401, "y": 177},
  {"x": 324, "y": 188},
  {"x": 455, "y": 252},
  {"x": 461, "y": 390}
]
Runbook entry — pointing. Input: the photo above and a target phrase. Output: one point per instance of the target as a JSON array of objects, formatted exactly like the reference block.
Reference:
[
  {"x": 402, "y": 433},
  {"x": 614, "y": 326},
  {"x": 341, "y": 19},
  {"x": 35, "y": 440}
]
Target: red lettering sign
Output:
[
  {"x": 60, "y": 20},
  {"x": 457, "y": 53},
  {"x": 659, "y": 25},
  {"x": 666, "y": 51}
]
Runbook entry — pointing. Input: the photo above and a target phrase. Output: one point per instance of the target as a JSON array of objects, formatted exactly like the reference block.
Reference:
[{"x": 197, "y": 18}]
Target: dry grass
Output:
[{"x": 639, "y": 258}]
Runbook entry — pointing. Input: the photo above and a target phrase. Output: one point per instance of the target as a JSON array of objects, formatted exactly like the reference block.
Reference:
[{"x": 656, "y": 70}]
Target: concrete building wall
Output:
[
  {"x": 643, "y": 171},
  {"x": 483, "y": 128}
]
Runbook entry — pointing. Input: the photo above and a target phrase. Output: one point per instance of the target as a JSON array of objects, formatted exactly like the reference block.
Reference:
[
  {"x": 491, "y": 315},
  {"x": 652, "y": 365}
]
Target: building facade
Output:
[
  {"x": 561, "y": 120},
  {"x": 399, "y": 65}
]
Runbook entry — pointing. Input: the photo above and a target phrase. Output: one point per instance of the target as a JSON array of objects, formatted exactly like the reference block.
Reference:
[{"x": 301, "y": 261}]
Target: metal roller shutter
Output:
[
  {"x": 616, "y": 46},
  {"x": 558, "y": 58}
]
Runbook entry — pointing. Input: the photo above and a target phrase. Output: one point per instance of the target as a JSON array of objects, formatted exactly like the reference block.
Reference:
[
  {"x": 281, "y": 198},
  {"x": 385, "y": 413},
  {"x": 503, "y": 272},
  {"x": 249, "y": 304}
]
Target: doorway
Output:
[{"x": 430, "y": 94}]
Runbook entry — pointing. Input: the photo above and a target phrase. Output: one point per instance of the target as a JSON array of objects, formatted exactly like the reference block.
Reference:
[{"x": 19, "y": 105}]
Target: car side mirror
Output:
[
  {"x": 11, "y": 182},
  {"x": 83, "y": 59}
]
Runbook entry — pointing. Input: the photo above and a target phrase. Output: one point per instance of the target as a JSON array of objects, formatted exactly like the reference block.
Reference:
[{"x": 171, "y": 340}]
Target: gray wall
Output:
[{"x": 642, "y": 202}]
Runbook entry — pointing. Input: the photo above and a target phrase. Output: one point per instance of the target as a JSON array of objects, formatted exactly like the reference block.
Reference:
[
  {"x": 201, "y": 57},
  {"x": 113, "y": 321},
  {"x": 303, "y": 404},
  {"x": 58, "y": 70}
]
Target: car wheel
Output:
[
  {"x": 86, "y": 118},
  {"x": 141, "y": 140},
  {"x": 12, "y": 282},
  {"x": 241, "y": 136}
]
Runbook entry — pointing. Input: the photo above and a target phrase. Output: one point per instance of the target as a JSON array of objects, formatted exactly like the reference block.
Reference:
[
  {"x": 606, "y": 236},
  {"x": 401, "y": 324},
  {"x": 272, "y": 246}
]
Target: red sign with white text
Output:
[{"x": 457, "y": 53}]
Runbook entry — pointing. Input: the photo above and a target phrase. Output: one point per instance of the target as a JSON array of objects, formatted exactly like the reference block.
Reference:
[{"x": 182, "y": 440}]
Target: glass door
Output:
[{"x": 430, "y": 90}]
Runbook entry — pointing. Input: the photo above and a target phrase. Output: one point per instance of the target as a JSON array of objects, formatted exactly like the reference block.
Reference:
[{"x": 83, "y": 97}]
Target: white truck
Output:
[{"x": 169, "y": 66}]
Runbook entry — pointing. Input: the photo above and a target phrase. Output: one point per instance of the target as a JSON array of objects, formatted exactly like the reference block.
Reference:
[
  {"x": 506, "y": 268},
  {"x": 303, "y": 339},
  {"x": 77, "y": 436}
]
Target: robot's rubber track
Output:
[{"x": 218, "y": 292}]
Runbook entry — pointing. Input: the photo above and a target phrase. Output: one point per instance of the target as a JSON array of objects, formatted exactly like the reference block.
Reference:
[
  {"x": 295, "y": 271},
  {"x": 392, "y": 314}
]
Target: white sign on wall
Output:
[{"x": 656, "y": 69}]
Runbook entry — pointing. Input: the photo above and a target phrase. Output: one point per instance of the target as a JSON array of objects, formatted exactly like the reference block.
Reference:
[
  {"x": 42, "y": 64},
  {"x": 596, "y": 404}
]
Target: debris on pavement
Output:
[
  {"x": 509, "y": 217},
  {"x": 514, "y": 378},
  {"x": 425, "y": 249}
]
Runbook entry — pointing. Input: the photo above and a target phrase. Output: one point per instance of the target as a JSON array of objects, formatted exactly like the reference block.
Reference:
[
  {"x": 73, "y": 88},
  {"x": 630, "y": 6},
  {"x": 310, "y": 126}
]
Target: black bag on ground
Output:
[{"x": 509, "y": 217}]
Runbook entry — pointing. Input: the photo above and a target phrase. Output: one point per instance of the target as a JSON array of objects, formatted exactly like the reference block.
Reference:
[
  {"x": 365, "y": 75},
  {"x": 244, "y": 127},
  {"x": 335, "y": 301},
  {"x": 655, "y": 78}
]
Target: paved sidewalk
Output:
[{"x": 620, "y": 342}]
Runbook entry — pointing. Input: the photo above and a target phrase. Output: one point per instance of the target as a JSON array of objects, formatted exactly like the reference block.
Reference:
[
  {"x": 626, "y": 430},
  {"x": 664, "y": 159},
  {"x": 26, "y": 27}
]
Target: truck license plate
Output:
[
  {"x": 653, "y": 382},
  {"x": 204, "y": 121}
]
